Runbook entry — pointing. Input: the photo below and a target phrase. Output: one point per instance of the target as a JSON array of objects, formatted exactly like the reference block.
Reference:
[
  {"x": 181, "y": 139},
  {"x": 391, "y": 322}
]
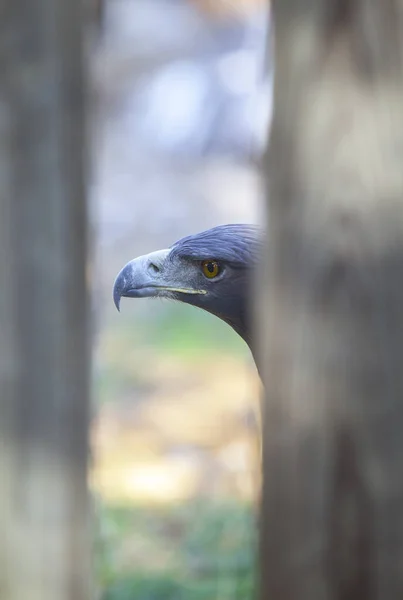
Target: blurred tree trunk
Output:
[
  {"x": 44, "y": 358},
  {"x": 332, "y": 353}
]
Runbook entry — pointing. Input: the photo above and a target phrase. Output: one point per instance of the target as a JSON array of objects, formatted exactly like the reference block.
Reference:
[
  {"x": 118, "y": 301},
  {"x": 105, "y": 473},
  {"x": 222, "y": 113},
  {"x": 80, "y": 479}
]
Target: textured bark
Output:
[
  {"x": 332, "y": 349},
  {"x": 44, "y": 358}
]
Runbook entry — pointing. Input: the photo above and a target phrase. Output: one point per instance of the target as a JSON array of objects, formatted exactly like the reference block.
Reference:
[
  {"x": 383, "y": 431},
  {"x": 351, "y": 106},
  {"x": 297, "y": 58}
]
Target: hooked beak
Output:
[{"x": 146, "y": 276}]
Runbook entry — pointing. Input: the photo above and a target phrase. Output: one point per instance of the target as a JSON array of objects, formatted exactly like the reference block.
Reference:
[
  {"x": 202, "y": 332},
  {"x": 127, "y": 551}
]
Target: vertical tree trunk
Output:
[
  {"x": 332, "y": 353},
  {"x": 44, "y": 358}
]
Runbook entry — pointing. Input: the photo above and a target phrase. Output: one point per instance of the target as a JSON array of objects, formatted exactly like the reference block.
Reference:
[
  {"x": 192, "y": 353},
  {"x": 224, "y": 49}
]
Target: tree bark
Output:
[
  {"x": 332, "y": 305},
  {"x": 44, "y": 354}
]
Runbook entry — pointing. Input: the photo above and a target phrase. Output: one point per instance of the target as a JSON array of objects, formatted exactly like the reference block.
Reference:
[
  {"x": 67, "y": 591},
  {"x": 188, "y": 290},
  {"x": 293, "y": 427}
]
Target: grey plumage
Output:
[{"x": 235, "y": 243}]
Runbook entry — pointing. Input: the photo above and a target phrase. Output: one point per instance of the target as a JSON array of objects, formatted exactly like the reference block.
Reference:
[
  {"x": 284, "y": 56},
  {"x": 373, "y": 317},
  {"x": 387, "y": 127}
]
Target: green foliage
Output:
[
  {"x": 145, "y": 587},
  {"x": 200, "y": 551},
  {"x": 184, "y": 330}
]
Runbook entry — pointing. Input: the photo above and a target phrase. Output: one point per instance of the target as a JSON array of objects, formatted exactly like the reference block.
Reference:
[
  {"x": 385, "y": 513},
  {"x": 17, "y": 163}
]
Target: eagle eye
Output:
[{"x": 210, "y": 268}]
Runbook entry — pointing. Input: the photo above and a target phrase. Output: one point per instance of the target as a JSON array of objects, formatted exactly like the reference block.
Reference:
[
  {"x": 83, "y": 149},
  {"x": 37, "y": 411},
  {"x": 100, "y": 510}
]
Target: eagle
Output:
[{"x": 211, "y": 270}]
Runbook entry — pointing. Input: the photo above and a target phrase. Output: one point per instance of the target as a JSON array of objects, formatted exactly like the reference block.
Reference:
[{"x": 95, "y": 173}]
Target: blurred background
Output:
[{"x": 180, "y": 111}]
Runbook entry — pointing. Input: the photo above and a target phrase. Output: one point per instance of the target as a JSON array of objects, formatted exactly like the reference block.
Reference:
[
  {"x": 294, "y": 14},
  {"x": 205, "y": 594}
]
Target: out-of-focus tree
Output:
[
  {"x": 44, "y": 351},
  {"x": 332, "y": 318}
]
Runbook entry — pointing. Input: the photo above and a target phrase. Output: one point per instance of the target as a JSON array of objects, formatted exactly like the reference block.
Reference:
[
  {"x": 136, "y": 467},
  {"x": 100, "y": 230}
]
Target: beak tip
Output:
[
  {"x": 117, "y": 295},
  {"x": 117, "y": 303}
]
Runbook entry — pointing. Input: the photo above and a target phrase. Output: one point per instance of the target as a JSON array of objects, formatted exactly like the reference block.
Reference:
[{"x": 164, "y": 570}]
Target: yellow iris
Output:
[{"x": 210, "y": 268}]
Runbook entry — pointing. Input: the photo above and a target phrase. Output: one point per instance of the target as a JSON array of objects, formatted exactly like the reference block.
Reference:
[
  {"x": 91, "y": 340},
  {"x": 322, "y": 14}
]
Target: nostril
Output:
[{"x": 153, "y": 267}]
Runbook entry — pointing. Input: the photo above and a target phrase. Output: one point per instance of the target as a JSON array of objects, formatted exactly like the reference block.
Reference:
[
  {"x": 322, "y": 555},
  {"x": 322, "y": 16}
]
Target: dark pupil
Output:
[{"x": 210, "y": 267}]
